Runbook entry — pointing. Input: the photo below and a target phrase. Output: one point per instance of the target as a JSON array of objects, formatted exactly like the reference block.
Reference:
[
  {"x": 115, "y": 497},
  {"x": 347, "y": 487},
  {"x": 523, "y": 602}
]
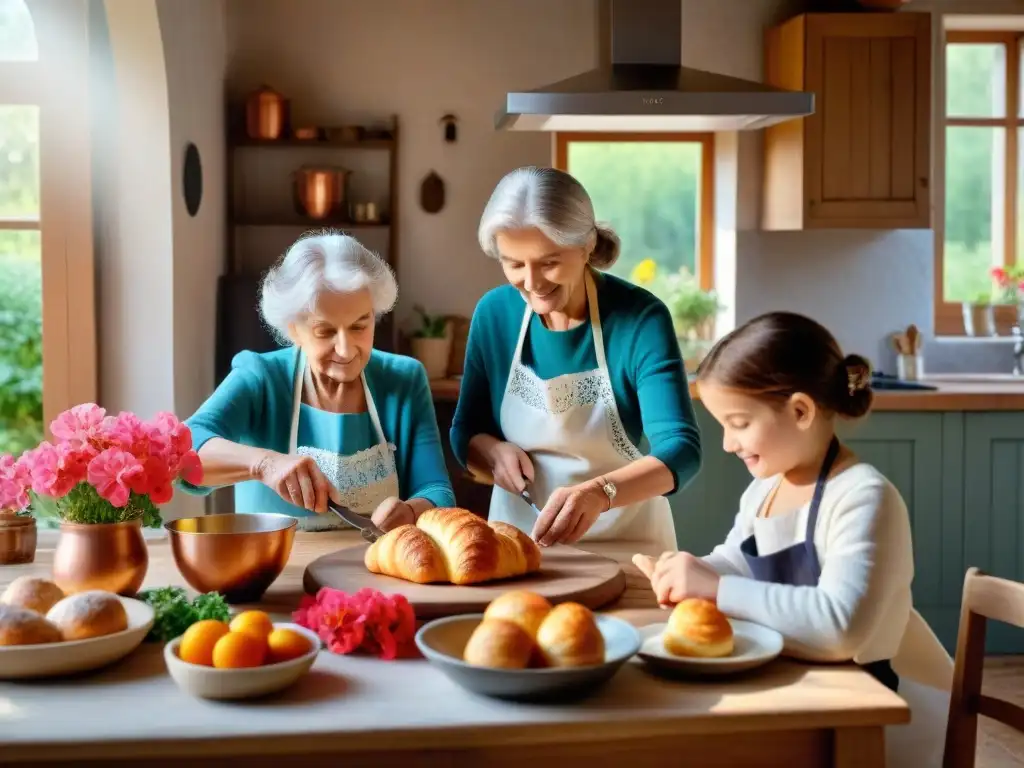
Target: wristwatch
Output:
[{"x": 610, "y": 491}]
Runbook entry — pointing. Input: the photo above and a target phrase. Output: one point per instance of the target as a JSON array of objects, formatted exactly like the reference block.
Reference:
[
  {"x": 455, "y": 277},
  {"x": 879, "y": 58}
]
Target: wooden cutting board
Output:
[{"x": 566, "y": 574}]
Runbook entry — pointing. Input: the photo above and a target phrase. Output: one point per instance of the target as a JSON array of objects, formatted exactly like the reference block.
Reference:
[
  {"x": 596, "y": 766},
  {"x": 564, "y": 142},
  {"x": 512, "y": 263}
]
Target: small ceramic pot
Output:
[
  {"x": 17, "y": 539},
  {"x": 433, "y": 353},
  {"x": 109, "y": 556}
]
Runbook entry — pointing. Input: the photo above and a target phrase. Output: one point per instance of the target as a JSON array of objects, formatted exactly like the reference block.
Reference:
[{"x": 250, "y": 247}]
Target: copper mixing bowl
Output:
[{"x": 238, "y": 555}]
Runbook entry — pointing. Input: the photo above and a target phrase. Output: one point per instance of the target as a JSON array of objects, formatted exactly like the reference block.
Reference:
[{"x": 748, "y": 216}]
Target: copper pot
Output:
[
  {"x": 107, "y": 556},
  {"x": 17, "y": 539},
  {"x": 320, "y": 191},
  {"x": 264, "y": 114}
]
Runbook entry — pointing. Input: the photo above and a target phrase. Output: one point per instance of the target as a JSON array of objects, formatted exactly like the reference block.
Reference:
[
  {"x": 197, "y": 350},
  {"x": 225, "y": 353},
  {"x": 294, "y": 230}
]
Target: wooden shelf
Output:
[
  {"x": 311, "y": 143},
  {"x": 271, "y": 221}
]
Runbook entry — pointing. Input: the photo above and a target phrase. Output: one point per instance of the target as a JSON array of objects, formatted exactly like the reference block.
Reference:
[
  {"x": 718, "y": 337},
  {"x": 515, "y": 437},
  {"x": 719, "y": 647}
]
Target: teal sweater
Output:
[
  {"x": 645, "y": 366},
  {"x": 253, "y": 406}
]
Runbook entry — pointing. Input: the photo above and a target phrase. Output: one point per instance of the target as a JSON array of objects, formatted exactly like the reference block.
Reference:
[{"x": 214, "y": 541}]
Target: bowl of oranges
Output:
[{"x": 247, "y": 657}]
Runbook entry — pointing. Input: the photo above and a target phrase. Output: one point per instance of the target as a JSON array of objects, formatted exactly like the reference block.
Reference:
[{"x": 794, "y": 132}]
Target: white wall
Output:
[{"x": 157, "y": 71}]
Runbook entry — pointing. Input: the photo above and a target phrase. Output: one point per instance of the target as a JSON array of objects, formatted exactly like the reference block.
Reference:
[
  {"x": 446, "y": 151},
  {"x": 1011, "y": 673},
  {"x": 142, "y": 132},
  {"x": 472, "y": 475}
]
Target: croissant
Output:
[
  {"x": 521, "y": 630},
  {"x": 455, "y": 546}
]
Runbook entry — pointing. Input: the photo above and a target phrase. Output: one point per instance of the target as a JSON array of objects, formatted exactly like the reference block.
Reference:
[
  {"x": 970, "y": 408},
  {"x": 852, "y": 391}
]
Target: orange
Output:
[
  {"x": 198, "y": 641},
  {"x": 236, "y": 650},
  {"x": 255, "y": 623},
  {"x": 285, "y": 644}
]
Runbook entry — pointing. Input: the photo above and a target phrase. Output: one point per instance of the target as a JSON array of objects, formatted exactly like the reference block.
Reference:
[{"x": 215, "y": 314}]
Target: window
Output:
[
  {"x": 982, "y": 227},
  {"x": 656, "y": 191},
  {"x": 47, "y": 309}
]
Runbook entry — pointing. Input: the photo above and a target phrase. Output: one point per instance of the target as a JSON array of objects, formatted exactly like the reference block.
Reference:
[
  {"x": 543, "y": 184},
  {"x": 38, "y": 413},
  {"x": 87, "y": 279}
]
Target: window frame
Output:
[
  {"x": 57, "y": 84},
  {"x": 948, "y": 315},
  {"x": 706, "y": 222}
]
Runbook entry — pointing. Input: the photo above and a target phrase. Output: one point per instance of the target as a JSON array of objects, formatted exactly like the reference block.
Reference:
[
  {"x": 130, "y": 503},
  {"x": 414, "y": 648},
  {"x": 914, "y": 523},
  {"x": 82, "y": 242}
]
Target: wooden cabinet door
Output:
[{"x": 868, "y": 142}]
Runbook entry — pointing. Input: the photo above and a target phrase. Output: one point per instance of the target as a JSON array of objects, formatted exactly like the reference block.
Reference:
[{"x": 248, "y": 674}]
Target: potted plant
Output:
[
  {"x": 431, "y": 344},
  {"x": 17, "y": 526},
  {"x": 1010, "y": 286},
  {"x": 979, "y": 317},
  {"x": 103, "y": 477}
]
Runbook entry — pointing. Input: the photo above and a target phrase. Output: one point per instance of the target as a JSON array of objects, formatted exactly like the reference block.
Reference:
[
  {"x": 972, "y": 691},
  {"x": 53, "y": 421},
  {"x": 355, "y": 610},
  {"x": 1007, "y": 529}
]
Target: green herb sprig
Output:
[{"x": 174, "y": 613}]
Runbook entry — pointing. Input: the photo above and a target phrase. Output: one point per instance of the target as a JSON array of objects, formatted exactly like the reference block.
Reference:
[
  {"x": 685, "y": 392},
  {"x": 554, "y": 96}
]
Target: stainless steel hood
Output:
[{"x": 645, "y": 88}]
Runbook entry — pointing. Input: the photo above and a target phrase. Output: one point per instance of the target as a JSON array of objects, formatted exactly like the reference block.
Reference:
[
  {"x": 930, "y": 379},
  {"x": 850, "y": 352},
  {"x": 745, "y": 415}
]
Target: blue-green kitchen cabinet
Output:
[{"x": 961, "y": 475}]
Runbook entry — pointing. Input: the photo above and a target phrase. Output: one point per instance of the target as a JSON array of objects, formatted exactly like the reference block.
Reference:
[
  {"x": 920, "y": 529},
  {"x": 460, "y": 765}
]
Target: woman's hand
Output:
[
  {"x": 510, "y": 467},
  {"x": 391, "y": 513},
  {"x": 569, "y": 514},
  {"x": 676, "y": 576},
  {"x": 296, "y": 479}
]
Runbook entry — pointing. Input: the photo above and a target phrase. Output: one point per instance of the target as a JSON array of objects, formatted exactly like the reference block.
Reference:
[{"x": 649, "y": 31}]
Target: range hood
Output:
[{"x": 646, "y": 88}]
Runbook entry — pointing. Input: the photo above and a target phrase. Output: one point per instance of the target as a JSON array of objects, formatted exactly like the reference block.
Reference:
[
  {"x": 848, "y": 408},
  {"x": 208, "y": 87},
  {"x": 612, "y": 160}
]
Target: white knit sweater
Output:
[{"x": 862, "y": 603}]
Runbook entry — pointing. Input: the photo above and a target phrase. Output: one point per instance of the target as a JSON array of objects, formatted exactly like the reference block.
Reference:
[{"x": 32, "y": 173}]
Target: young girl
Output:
[{"x": 821, "y": 548}]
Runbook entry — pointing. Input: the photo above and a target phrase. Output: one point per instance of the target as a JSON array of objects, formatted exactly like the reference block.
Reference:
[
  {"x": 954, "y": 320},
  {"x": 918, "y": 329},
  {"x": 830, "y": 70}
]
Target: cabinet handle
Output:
[{"x": 923, "y": 181}]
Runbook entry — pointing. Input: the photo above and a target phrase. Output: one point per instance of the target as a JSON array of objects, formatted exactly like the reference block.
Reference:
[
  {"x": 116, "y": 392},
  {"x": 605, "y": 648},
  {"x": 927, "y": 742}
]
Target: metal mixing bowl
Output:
[{"x": 237, "y": 555}]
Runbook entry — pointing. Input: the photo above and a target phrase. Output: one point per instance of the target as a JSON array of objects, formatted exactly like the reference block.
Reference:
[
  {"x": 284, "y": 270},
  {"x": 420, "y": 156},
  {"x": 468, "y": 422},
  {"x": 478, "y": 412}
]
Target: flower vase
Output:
[
  {"x": 108, "y": 556},
  {"x": 17, "y": 539}
]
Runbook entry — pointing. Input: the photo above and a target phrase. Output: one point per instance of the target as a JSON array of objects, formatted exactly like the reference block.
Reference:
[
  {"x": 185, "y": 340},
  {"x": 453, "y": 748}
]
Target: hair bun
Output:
[
  {"x": 606, "y": 249},
  {"x": 857, "y": 382}
]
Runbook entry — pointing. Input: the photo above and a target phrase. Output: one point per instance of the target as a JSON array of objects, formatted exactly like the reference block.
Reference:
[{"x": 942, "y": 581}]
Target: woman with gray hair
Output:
[
  {"x": 567, "y": 368},
  {"x": 328, "y": 415}
]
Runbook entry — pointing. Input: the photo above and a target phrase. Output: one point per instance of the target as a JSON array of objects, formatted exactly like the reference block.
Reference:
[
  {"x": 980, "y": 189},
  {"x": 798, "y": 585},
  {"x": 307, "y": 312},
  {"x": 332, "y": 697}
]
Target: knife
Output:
[
  {"x": 367, "y": 529},
  {"x": 525, "y": 494}
]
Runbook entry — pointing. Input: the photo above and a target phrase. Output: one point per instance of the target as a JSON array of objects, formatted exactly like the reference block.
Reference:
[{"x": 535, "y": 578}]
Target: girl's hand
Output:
[
  {"x": 510, "y": 467},
  {"x": 676, "y": 576},
  {"x": 391, "y": 513},
  {"x": 569, "y": 514}
]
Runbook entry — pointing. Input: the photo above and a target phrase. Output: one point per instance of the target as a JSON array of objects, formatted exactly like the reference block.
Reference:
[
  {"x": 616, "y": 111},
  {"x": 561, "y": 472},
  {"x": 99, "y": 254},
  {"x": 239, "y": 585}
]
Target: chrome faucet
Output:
[{"x": 1018, "y": 350}]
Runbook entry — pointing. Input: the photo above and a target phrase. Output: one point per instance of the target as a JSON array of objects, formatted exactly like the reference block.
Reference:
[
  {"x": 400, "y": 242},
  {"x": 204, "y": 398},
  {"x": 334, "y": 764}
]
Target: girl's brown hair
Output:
[{"x": 781, "y": 353}]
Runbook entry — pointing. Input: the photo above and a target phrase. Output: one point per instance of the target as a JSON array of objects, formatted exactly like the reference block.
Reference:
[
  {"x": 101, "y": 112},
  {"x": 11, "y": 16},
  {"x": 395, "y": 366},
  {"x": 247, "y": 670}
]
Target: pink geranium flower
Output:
[
  {"x": 368, "y": 620},
  {"x": 15, "y": 481},
  {"x": 81, "y": 424},
  {"x": 112, "y": 474}
]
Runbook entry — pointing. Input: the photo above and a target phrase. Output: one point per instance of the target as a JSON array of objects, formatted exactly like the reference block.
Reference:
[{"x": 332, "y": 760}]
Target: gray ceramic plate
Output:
[{"x": 442, "y": 642}]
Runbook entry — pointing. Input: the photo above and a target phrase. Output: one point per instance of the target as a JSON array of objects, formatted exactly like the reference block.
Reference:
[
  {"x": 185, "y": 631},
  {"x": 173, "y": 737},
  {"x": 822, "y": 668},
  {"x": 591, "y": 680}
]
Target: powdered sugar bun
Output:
[
  {"x": 20, "y": 626},
  {"x": 89, "y": 614},
  {"x": 32, "y": 592}
]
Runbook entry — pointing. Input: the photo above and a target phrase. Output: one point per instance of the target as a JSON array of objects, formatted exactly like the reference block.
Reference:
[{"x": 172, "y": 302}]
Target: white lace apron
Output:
[
  {"x": 571, "y": 429},
  {"x": 363, "y": 479}
]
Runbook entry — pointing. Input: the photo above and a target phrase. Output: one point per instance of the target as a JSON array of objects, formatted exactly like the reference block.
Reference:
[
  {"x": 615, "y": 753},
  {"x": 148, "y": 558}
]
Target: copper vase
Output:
[
  {"x": 264, "y": 114},
  {"x": 320, "y": 192},
  {"x": 17, "y": 539},
  {"x": 108, "y": 556}
]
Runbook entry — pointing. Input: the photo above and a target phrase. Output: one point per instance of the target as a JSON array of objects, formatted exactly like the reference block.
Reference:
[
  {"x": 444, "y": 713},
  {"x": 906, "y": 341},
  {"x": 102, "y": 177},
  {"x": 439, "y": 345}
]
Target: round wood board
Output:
[{"x": 566, "y": 574}]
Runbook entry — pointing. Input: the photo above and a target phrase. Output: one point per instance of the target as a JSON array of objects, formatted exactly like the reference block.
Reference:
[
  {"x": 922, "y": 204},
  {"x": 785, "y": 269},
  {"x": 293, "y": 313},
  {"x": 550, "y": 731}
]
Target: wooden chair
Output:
[{"x": 985, "y": 597}]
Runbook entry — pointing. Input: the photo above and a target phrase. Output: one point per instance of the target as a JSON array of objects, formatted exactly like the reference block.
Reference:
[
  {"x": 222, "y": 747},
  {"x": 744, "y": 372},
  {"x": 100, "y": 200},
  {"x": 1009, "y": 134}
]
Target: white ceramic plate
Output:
[
  {"x": 210, "y": 683},
  {"x": 754, "y": 646},
  {"x": 18, "y": 662}
]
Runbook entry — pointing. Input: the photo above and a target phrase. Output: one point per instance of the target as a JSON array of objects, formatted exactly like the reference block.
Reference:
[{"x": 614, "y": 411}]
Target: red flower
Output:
[
  {"x": 379, "y": 624},
  {"x": 113, "y": 473},
  {"x": 1000, "y": 276}
]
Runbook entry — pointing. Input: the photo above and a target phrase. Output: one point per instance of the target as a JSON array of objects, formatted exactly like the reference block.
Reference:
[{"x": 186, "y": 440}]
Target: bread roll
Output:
[
  {"x": 520, "y": 629},
  {"x": 499, "y": 643},
  {"x": 455, "y": 546},
  {"x": 32, "y": 592},
  {"x": 569, "y": 637},
  {"x": 697, "y": 628},
  {"x": 20, "y": 626},
  {"x": 527, "y": 609},
  {"x": 89, "y": 614}
]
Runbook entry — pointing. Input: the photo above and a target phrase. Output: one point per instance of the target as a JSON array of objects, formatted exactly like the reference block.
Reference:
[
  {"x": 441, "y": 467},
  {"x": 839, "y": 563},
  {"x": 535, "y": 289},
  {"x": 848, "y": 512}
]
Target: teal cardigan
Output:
[
  {"x": 253, "y": 406},
  {"x": 646, "y": 369}
]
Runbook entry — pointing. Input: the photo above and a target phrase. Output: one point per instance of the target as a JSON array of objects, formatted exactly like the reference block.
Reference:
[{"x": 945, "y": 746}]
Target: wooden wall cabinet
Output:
[{"x": 862, "y": 160}]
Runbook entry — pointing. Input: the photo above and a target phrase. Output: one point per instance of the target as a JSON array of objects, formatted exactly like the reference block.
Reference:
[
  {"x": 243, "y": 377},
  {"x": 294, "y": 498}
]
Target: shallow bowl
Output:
[
  {"x": 225, "y": 684},
  {"x": 443, "y": 641}
]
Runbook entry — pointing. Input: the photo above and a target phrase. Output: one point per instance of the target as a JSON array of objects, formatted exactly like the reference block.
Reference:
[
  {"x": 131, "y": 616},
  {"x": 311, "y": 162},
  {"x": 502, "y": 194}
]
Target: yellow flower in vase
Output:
[{"x": 644, "y": 272}]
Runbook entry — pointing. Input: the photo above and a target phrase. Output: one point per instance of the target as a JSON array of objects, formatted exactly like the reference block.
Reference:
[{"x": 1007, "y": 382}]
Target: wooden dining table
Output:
[{"x": 360, "y": 711}]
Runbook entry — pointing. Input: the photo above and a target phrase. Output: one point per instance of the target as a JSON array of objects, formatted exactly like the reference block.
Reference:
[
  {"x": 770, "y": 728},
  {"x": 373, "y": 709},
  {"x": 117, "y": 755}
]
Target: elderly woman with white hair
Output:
[
  {"x": 327, "y": 415},
  {"x": 567, "y": 368}
]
